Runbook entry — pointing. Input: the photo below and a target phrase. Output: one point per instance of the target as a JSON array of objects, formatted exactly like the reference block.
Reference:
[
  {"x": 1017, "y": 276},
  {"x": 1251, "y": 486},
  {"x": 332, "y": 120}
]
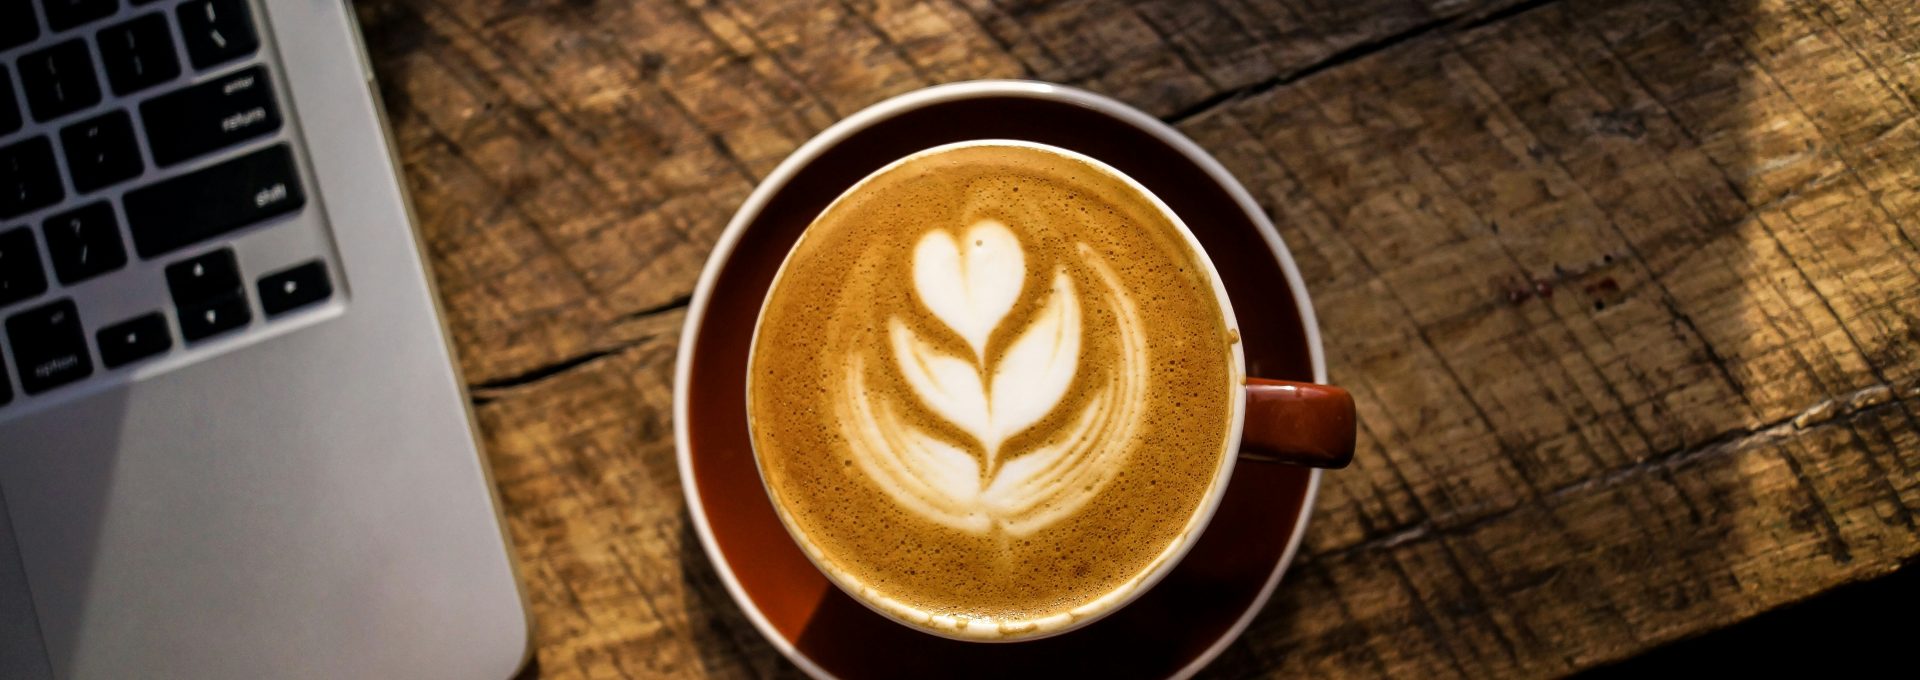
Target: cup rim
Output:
[
  {"x": 1163, "y": 562},
  {"x": 879, "y": 112}
]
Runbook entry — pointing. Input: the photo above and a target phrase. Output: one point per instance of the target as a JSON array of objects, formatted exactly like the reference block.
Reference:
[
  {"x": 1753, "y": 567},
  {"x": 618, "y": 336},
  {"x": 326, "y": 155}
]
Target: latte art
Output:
[
  {"x": 991, "y": 389},
  {"x": 971, "y": 290}
]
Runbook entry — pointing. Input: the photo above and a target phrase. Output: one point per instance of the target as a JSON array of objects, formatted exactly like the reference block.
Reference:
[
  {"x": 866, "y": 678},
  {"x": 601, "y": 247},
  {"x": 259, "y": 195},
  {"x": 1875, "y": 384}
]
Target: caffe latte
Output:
[{"x": 992, "y": 389}]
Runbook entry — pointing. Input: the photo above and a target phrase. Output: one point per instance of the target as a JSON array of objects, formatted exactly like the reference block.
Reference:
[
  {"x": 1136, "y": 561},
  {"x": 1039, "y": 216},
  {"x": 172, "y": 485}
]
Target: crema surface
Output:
[{"x": 991, "y": 389}]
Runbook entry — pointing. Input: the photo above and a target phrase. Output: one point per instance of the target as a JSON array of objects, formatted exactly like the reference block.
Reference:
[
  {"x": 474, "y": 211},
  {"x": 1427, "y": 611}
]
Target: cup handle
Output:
[{"x": 1298, "y": 424}]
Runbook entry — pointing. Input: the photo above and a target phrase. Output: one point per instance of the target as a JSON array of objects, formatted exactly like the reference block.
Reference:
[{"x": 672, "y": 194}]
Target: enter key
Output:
[{"x": 210, "y": 116}]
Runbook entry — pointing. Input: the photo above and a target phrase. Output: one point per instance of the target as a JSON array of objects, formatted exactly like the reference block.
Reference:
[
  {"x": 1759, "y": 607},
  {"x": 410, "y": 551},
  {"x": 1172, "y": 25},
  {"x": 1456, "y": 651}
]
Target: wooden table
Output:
[{"x": 1626, "y": 289}]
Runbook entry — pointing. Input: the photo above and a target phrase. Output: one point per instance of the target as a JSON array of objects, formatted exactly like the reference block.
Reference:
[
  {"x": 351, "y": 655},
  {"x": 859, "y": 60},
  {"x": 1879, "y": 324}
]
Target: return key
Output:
[{"x": 210, "y": 116}]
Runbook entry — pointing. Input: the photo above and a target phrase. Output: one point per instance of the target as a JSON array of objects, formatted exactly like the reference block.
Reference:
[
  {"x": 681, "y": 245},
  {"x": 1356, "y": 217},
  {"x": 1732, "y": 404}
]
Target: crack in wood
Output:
[
  {"x": 677, "y": 302},
  {"x": 544, "y": 371},
  {"x": 489, "y": 390},
  {"x": 1504, "y": 14},
  {"x": 1345, "y": 56},
  {"x": 1827, "y": 413},
  {"x": 1351, "y": 54}
]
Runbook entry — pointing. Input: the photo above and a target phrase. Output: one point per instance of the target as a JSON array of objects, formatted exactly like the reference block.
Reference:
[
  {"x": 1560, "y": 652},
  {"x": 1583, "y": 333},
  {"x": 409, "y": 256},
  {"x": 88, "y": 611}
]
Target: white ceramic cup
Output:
[{"x": 1290, "y": 411}]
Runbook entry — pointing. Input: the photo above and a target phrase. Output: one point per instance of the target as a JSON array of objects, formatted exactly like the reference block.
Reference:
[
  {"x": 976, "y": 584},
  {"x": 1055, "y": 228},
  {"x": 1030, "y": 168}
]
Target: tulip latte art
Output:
[{"x": 991, "y": 389}]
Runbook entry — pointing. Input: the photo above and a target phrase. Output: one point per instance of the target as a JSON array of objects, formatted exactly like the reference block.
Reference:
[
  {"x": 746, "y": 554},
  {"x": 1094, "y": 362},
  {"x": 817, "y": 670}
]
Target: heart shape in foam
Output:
[{"x": 970, "y": 283}]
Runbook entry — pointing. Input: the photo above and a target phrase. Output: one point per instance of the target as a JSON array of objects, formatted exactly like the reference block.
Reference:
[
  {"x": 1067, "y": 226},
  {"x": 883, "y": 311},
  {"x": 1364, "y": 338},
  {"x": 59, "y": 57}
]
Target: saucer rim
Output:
[{"x": 783, "y": 173}]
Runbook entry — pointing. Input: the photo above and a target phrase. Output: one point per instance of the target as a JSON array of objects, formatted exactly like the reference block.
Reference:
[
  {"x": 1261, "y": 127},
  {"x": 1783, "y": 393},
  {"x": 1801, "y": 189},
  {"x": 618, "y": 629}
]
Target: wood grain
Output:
[{"x": 1627, "y": 291}]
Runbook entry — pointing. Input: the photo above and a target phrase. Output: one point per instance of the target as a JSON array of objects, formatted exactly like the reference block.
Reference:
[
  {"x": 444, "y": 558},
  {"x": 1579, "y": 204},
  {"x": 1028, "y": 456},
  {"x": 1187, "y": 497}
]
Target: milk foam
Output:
[{"x": 971, "y": 288}]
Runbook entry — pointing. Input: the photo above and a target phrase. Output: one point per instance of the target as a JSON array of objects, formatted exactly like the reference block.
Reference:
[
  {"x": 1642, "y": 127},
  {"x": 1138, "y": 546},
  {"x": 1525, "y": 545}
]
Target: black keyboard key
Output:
[
  {"x": 138, "y": 54},
  {"x": 59, "y": 80},
  {"x": 49, "y": 346},
  {"x": 216, "y": 316},
  {"x": 210, "y": 116},
  {"x": 9, "y": 104},
  {"x": 179, "y": 212},
  {"x": 17, "y": 26},
  {"x": 6, "y": 389},
  {"x": 134, "y": 339},
  {"x": 65, "y": 14},
  {"x": 84, "y": 242},
  {"x": 294, "y": 288},
  {"x": 101, "y": 151},
  {"x": 217, "y": 31},
  {"x": 20, "y": 274},
  {"x": 29, "y": 180},
  {"x": 202, "y": 278}
]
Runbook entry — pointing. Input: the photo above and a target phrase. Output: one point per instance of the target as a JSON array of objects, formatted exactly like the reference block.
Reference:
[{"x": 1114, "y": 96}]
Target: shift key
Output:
[
  {"x": 213, "y": 115},
  {"x": 181, "y": 211}
]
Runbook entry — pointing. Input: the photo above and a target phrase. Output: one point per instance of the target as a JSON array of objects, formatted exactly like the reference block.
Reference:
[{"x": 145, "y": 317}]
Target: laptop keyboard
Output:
[{"x": 142, "y": 142}]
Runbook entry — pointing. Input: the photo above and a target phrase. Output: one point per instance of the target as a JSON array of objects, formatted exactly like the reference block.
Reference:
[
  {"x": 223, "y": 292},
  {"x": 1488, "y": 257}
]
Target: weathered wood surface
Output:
[{"x": 1628, "y": 290}]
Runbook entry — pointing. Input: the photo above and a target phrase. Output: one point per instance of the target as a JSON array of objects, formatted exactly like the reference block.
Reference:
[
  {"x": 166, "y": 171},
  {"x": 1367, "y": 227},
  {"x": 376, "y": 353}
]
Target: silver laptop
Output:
[{"x": 233, "y": 443}]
